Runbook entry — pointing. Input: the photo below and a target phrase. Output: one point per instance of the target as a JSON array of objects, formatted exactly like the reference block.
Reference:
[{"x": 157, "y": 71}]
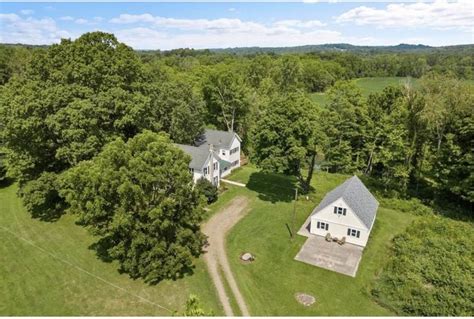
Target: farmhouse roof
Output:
[
  {"x": 357, "y": 196},
  {"x": 219, "y": 139},
  {"x": 198, "y": 155}
]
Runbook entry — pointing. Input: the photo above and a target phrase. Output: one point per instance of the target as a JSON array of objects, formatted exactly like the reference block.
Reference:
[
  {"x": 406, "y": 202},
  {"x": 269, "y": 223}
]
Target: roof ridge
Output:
[{"x": 346, "y": 184}]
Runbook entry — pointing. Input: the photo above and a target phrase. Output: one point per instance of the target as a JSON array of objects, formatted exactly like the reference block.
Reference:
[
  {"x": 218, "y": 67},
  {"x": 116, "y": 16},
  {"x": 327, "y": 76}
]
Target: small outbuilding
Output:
[{"x": 347, "y": 211}]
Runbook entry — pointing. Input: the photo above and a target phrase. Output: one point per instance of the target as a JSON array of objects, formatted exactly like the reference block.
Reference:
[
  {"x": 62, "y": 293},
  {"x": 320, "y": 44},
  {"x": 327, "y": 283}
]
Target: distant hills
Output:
[
  {"x": 334, "y": 47},
  {"x": 345, "y": 47}
]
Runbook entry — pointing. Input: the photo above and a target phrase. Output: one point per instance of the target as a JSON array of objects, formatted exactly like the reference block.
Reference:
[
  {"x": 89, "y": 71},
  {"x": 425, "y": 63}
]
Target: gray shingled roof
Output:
[
  {"x": 198, "y": 155},
  {"x": 220, "y": 139},
  {"x": 357, "y": 196}
]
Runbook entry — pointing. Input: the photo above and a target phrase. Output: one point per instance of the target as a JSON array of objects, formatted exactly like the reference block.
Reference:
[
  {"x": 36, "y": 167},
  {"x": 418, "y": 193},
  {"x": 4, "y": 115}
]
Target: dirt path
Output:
[{"x": 217, "y": 228}]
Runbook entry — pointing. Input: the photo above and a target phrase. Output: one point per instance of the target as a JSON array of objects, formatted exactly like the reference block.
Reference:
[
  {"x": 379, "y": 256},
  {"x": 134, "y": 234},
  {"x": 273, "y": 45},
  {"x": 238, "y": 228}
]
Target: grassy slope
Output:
[
  {"x": 34, "y": 283},
  {"x": 368, "y": 86},
  {"x": 269, "y": 284},
  {"x": 373, "y": 85}
]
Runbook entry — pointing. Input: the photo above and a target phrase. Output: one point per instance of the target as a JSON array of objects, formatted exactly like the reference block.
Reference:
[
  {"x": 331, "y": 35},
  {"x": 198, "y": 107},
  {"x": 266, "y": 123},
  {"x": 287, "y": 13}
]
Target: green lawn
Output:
[
  {"x": 269, "y": 283},
  {"x": 374, "y": 85},
  {"x": 368, "y": 86},
  {"x": 75, "y": 282}
]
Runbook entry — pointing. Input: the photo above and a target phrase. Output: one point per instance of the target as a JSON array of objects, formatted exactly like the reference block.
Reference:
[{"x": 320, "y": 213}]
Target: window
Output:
[
  {"x": 322, "y": 225},
  {"x": 235, "y": 163},
  {"x": 215, "y": 166},
  {"x": 353, "y": 233},
  {"x": 234, "y": 150},
  {"x": 191, "y": 170},
  {"x": 340, "y": 210},
  {"x": 223, "y": 152},
  {"x": 205, "y": 170}
]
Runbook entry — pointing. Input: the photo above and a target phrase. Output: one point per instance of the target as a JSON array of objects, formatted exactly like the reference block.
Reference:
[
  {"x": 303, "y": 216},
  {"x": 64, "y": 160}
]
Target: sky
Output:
[{"x": 160, "y": 25}]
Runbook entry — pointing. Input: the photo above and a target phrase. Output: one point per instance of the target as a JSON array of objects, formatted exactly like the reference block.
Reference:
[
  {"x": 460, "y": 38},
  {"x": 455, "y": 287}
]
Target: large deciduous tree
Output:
[
  {"x": 178, "y": 109},
  {"x": 449, "y": 113},
  {"x": 288, "y": 137},
  {"x": 77, "y": 96},
  {"x": 346, "y": 122},
  {"x": 74, "y": 97},
  {"x": 227, "y": 97},
  {"x": 138, "y": 196},
  {"x": 387, "y": 148}
]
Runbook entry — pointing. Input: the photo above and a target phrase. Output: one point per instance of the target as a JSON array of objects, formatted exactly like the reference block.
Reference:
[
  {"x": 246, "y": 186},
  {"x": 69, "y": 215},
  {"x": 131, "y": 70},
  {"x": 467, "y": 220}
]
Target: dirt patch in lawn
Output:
[{"x": 305, "y": 299}]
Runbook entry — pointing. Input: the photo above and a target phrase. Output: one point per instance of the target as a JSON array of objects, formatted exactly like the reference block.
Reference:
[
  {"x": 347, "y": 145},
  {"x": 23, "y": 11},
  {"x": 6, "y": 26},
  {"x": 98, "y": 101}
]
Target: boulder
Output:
[{"x": 247, "y": 257}]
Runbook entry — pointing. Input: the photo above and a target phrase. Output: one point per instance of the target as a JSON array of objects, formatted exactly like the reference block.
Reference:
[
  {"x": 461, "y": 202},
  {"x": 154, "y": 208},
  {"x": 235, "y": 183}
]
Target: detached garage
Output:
[{"x": 347, "y": 211}]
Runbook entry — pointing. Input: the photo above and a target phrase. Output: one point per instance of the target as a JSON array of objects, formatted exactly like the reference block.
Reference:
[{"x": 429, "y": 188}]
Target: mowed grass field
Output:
[
  {"x": 48, "y": 269},
  {"x": 271, "y": 281},
  {"x": 368, "y": 86}
]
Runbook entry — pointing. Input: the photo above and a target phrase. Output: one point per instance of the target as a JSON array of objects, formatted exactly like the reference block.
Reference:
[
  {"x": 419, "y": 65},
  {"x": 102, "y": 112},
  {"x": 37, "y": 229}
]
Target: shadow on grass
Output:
[
  {"x": 49, "y": 215},
  {"x": 101, "y": 248},
  {"x": 5, "y": 182},
  {"x": 272, "y": 187}
]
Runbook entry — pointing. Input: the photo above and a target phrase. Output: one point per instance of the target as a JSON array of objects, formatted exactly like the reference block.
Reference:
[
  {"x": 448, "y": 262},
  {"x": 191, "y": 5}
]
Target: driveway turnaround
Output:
[
  {"x": 216, "y": 258},
  {"x": 318, "y": 252}
]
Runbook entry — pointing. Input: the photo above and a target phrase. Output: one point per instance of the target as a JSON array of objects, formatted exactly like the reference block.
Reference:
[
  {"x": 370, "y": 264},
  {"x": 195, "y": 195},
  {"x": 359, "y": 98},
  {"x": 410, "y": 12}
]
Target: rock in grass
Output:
[
  {"x": 305, "y": 299},
  {"x": 247, "y": 257}
]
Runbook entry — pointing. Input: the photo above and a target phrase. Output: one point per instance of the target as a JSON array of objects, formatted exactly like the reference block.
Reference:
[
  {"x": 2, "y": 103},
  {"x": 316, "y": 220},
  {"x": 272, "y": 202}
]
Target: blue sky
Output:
[{"x": 211, "y": 25}]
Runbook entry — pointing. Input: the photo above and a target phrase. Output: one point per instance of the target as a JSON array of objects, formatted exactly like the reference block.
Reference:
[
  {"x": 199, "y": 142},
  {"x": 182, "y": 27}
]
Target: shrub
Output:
[
  {"x": 41, "y": 198},
  {"x": 430, "y": 270},
  {"x": 413, "y": 205},
  {"x": 206, "y": 188},
  {"x": 195, "y": 309}
]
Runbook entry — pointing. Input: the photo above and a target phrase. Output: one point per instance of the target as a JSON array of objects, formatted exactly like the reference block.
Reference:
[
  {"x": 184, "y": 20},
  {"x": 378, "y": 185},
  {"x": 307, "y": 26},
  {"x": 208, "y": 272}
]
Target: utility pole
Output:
[{"x": 293, "y": 223}]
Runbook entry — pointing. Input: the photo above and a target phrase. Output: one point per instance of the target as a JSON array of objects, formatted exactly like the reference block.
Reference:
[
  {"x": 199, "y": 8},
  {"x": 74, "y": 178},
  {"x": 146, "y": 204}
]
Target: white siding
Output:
[
  {"x": 216, "y": 175},
  {"x": 236, "y": 156},
  {"x": 224, "y": 153},
  {"x": 196, "y": 176},
  {"x": 338, "y": 224},
  {"x": 227, "y": 172}
]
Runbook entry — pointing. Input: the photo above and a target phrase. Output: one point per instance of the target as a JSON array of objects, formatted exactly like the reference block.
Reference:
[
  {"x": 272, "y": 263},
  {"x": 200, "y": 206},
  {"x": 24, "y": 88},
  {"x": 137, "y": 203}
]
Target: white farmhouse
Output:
[
  {"x": 347, "y": 211},
  {"x": 226, "y": 145},
  {"x": 204, "y": 163},
  {"x": 215, "y": 155}
]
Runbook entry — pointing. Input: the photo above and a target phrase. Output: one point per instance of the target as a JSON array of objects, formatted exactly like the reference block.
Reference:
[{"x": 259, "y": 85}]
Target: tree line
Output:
[{"x": 87, "y": 126}]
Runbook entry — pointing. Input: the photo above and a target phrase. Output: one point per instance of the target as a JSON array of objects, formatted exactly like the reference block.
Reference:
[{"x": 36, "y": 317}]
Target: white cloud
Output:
[
  {"x": 17, "y": 29},
  {"x": 147, "y": 38},
  {"x": 167, "y": 33},
  {"x": 26, "y": 12},
  {"x": 81, "y": 21},
  {"x": 133, "y": 18},
  {"x": 67, "y": 18},
  {"x": 221, "y": 24},
  {"x": 440, "y": 14},
  {"x": 300, "y": 23}
]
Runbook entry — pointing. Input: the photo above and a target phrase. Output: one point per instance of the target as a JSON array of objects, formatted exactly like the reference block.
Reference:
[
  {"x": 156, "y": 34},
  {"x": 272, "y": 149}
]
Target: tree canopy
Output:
[
  {"x": 287, "y": 137},
  {"x": 138, "y": 196}
]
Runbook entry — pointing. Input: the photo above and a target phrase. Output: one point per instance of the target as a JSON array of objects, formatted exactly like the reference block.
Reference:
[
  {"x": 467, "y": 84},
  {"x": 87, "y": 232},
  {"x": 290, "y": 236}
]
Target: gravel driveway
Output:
[{"x": 217, "y": 228}]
